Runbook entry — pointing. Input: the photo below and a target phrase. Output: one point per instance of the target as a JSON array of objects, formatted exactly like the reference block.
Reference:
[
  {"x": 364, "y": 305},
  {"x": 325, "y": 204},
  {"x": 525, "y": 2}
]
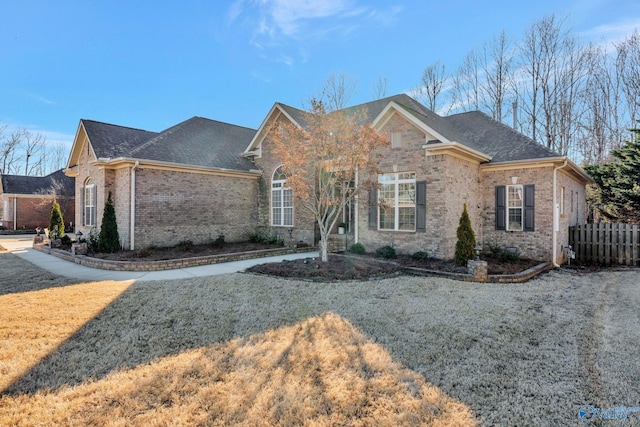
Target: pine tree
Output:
[
  {"x": 55, "y": 221},
  {"x": 618, "y": 183},
  {"x": 466, "y": 239},
  {"x": 109, "y": 240}
]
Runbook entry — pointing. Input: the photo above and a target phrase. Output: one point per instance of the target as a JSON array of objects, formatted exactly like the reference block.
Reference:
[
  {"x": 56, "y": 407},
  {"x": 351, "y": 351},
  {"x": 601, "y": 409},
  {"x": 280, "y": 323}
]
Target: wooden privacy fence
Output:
[{"x": 606, "y": 243}]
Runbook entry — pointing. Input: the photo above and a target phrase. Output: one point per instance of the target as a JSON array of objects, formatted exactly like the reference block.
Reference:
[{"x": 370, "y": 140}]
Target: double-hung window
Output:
[
  {"x": 89, "y": 203},
  {"x": 397, "y": 201},
  {"x": 281, "y": 199},
  {"x": 515, "y": 205}
]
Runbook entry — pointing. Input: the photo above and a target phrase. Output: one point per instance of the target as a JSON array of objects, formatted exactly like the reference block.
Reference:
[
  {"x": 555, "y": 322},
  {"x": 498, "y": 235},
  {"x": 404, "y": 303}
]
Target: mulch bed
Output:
[
  {"x": 338, "y": 268},
  {"x": 366, "y": 267}
]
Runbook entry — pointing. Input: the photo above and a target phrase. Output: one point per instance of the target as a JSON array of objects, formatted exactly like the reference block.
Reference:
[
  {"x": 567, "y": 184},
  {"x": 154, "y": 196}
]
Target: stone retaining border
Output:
[
  {"x": 520, "y": 277},
  {"x": 170, "y": 264}
]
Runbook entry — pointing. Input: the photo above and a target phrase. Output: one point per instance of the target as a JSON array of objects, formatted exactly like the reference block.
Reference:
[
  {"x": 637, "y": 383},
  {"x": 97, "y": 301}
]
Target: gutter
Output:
[
  {"x": 556, "y": 212},
  {"x": 132, "y": 205}
]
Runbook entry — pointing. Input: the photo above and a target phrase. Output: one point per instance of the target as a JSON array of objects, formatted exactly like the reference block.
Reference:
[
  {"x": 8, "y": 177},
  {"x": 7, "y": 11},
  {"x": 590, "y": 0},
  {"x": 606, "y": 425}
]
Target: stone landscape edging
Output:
[
  {"x": 161, "y": 265},
  {"x": 520, "y": 277}
]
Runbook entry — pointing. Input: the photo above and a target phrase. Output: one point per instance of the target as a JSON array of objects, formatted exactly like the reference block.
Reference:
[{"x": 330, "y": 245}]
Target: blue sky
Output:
[{"x": 152, "y": 64}]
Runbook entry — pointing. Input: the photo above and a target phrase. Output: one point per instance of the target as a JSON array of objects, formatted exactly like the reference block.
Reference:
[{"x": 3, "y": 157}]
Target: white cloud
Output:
[
  {"x": 276, "y": 24},
  {"x": 613, "y": 32}
]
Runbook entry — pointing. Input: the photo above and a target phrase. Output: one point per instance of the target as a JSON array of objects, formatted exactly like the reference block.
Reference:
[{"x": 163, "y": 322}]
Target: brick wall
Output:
[
  {"x": 175, "y": 206},
  {"x": 32, "y": 212},
  {"x": 450, "y": 182},
  {"x": 99, "y": 176},
  {"x": 531, "y": 244},
  {"x": 303, "y": 223}
]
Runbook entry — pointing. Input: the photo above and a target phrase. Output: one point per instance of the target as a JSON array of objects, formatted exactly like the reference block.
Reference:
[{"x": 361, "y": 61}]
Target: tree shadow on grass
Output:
[
  {"x": 18, "y": 275},
  {"x": 256, "y": 352}
]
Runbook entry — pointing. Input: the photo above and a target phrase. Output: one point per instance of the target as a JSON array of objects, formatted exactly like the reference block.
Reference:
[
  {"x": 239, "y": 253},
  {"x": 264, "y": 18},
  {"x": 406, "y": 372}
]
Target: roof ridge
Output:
[
  {"x": 159, "y": 136},
  {"x": 113, "y": 124},
  {"x": 221, "y": 122}
]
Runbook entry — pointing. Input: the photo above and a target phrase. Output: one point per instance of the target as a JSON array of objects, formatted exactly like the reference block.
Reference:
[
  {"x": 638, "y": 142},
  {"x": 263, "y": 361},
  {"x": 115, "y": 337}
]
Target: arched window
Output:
[
  {"x": 281, "y": 199},
  {"x": 89, "y": 211}
]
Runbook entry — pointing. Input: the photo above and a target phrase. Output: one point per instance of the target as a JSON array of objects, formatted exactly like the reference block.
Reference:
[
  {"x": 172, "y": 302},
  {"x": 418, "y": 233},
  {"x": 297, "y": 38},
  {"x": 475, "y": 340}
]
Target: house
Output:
[
  {"x": 519, "y": 194},
  {"x": 25, "y": 201},
  {"x": 188, "y": 182},
  {"x": 202, "y": 178}
]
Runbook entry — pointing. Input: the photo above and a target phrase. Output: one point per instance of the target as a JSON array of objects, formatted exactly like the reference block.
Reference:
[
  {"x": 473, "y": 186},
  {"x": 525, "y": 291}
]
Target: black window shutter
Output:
[
  {"x": 421, "y": 206},
  {"x": 501, "y": 207},
  {"x": 529, "y": 208},
  {"x": 373, "y": 209}
]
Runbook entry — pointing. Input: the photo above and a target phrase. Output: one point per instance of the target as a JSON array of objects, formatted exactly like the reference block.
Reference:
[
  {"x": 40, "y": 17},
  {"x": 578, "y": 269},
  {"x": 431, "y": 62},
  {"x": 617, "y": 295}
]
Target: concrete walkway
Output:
[{"x": 22, "y": 246}]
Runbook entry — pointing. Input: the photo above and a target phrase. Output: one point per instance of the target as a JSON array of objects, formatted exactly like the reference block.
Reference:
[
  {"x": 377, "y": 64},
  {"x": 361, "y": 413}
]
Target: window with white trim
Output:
[
  {"x": 397, "y": 201},
  {"x": 281, "y": 199},
  {"x": 514, "y": 207},
  {"x": 90, "y": 193}
]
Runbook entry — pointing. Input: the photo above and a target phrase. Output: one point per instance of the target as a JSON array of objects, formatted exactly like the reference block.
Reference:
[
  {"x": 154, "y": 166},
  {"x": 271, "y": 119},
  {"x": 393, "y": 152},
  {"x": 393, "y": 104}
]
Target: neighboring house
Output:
[
  {"x": 25, "y": 201},
  {"x": 188, "y": 182},
  {"x": 202, "y": 178}
]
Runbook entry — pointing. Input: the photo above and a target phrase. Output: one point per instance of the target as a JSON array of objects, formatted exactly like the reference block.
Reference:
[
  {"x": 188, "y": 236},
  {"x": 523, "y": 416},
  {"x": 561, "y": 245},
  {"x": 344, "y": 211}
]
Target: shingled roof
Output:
[
  {"x": 21, "y": 184},
  {"x": 196, "y": 142},
  {"x": 473, "y": 129}
]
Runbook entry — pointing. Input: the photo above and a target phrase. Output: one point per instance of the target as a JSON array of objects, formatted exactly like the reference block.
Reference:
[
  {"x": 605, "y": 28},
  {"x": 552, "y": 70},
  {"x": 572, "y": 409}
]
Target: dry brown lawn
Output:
[
  {"x": 243, "y": 349},
  {"x": 109, "y": 353}
]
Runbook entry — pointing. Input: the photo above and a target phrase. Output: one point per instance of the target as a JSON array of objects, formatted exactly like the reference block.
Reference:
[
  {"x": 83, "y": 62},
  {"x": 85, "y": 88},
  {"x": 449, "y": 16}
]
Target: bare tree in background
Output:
[
  {"x": 554, "y": 68},
  {"x": 57, "y": 157},
  {"x": 380, "y": 88},
  {"x": 34, "y": 149},
  {"x": 433, "y": 80},
  {"x": 498, "y": 74},
  {"x": 628, "y": 66},
  {"x": 466, "y": 84},
  {"x": 337, "y": 90},
  {"x": 9, "y": 152}
]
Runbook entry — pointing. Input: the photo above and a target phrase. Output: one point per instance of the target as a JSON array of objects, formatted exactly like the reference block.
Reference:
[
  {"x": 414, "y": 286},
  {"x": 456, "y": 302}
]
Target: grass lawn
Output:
[{"x": 243, "y": 349}]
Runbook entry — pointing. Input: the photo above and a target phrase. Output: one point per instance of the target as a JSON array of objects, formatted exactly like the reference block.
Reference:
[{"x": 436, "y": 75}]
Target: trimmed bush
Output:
[
  {"x": 56, "y": 222},
  {"x": 386, "y": 252},
  {"x": 420, "y": 256},
  {"x": 357, "y": 248},
  {"x": 109, "y": 241},
  {"x": 466, "y": 239},
  {"x": 219, "y": 242}
]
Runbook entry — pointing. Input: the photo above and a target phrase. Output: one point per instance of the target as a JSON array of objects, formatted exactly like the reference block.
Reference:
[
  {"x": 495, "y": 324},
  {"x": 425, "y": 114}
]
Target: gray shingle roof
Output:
[
  {"x": 200, "y": 142},
  {"x": 196, "y": 142},
  {"x": 110, "y": 140},
  {"x": 473, "y": 129},
  {"x": 21, "y": 184}
]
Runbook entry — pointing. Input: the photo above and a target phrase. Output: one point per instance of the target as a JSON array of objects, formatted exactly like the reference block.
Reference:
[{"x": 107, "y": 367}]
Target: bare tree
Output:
[
  {"x": 34, "y": 149},
  {"x": 628, "y": 67},
  {"x": 553, "y": 73},
  {"x": 465, "y": 94},
  {"x": 9, "y": 152},
  {"x": 497, "y": 67},
  {"x": 380, "y": 88},
  {"x": 57, "y": 157},
  {"x": 337, "y": 90},
  {"x": 433, "y": 80}
]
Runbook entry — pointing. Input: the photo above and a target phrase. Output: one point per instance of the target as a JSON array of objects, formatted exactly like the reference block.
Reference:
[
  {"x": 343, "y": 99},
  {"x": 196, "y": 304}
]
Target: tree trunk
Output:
[{"x": 323, "y": 248}]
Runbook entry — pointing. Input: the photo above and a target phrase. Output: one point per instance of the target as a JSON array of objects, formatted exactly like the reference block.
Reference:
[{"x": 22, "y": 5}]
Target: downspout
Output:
[
  {"x": 132, "y": 204},
  {"x": 355, "y": 214},
  {"x": 15, "y": 212},
  {"x": 556, "y": 213}
]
